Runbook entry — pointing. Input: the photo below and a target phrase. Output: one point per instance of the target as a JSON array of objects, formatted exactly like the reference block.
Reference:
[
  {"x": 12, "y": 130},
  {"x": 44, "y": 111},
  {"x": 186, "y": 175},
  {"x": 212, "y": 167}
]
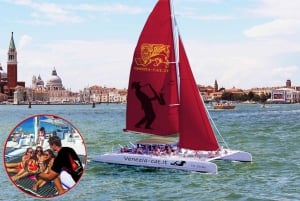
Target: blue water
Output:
[{"x": 271, "y": 134}]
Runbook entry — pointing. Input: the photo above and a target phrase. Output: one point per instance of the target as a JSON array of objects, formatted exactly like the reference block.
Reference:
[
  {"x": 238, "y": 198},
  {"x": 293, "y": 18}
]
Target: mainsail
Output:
[
  {"x": 154, "y": 105},
  {"x": 152, "y": 102}
]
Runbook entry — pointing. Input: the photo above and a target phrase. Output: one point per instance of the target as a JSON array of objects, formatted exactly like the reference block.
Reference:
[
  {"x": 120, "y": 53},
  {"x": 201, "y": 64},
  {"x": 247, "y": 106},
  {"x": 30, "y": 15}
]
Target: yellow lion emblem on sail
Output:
[{"x": 154, "y": 53}]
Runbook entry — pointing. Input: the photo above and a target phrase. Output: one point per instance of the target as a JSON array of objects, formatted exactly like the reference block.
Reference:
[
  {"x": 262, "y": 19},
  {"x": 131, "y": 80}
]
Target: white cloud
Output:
[
  {"x": 242, "y": 64},
  {"x": 109, "y": 8},
  {"x": 50, "y": 13},
  {"x": 286, "y": 71},
  {"x": 278, "y": 27},
  {"x": 208, "y": 17},
  {"x": 25, "y": 39},
  {"x": 281, "y": 19},
  {"x": 277, "y": 9},
  {"x": 79, "y": 63}
]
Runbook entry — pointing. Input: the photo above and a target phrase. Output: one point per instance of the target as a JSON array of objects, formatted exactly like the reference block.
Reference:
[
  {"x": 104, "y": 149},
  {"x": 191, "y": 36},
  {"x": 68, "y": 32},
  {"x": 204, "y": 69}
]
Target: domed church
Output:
[
  {"x": 37, "y": 82},
  {"x": 55, "y": 82}
]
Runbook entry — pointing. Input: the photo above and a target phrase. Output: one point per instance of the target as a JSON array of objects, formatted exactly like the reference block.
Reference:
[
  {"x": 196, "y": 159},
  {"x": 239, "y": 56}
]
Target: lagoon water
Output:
[{"x": 271, "y": 134}]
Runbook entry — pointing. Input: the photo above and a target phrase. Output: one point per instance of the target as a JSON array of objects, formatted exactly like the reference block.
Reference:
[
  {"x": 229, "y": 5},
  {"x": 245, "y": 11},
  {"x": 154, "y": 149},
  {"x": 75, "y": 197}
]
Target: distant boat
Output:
[
  {"x": 224, "y": 106},
  {"x": 163, "y": 100}
]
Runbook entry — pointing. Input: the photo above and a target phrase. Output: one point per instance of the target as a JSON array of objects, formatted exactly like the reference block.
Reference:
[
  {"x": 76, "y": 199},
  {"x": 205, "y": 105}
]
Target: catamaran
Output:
[{"x": 163, "y": 100}]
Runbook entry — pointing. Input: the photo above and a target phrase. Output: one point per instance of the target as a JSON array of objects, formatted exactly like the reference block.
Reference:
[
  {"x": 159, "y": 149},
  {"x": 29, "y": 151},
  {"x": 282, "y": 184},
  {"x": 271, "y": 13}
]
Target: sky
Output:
[{"x": 242, "y": 44}]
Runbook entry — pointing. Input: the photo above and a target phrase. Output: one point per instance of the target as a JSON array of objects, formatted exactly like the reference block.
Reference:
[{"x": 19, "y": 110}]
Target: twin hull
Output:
[
  {"x": 177, "y": 162},
  {"x": 169, "y": 162}
]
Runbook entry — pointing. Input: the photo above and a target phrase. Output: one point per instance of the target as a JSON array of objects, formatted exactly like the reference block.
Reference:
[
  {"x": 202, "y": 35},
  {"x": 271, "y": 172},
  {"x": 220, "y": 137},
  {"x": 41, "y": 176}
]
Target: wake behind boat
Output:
[{"x": 163, "y": 100}]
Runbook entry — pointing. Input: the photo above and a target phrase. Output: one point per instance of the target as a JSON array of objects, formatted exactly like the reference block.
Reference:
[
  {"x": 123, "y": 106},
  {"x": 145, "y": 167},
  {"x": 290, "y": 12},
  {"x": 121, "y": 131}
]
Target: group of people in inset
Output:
[
  {"x": 62, "y": 169},
  {"x": 32, "y": 162}
]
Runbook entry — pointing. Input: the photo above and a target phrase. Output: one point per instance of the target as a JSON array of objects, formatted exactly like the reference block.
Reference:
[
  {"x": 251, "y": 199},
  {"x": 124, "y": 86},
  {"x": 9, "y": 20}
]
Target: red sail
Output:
[
  {"x": 152, "y": 102},
  {"x": 153, "y": 99},
  {"x": 195, "y": 130}
]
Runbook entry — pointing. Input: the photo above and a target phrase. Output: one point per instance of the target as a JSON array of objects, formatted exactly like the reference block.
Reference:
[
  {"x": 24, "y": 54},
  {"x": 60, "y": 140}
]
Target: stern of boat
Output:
[{"x": 241, "y": 156}]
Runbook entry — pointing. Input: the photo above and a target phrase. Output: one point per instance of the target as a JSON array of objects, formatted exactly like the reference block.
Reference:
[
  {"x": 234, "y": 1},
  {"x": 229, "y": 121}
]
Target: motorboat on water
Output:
[{"x": 224, "y": 106}]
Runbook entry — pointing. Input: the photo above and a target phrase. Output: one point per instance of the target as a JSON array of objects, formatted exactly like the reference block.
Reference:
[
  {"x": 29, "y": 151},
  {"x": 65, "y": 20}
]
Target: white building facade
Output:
[{"x": 285, "y": 95}]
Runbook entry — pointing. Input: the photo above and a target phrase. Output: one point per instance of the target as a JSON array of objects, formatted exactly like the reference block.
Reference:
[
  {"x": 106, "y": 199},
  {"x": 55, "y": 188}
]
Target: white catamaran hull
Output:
[
  {"x": 201, "y": 163},
  {"x": 241, "y": 156},
  {"x": 169, "y": 162}
]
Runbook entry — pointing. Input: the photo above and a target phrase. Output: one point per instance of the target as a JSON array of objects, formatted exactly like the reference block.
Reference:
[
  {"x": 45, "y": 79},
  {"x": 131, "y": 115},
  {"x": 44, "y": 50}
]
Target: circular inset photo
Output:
[{"x": 45, "y": 156}]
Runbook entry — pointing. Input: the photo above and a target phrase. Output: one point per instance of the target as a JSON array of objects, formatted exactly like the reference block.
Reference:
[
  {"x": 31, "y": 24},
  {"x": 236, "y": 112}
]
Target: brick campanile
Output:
[{"x": 12, "y": 67}]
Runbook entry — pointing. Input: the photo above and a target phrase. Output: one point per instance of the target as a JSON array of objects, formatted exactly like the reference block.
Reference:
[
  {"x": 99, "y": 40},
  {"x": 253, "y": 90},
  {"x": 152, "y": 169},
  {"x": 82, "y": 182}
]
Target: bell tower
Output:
[
  {"x": 216, "y": 87},
  {"x": 12, "y": 67},
  {"x": 288, "y": 83}
]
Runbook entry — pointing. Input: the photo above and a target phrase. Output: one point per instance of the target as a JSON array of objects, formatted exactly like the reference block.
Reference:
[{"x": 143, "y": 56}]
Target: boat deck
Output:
[
  {"x": 48, "y": 190},
  {"x": 25, "y": 184}
]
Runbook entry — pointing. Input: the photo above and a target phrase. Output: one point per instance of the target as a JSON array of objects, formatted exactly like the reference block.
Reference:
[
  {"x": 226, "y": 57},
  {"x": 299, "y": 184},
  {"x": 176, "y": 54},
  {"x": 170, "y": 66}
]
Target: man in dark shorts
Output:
[{"x": 66, "y": 160}]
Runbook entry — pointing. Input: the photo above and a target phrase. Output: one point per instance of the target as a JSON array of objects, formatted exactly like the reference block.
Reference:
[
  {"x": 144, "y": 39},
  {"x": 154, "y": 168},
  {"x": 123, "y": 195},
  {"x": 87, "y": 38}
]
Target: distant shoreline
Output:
[{"x": 61, "y": 103}]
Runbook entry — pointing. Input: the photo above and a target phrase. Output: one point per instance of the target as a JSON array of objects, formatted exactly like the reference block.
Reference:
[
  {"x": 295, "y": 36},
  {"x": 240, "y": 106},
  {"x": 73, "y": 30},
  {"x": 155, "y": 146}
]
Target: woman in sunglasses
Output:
[
  {"x": 16, "y": 167},
  {"x": 30, "y": 168},
  {"x": 45, "y": 165}
]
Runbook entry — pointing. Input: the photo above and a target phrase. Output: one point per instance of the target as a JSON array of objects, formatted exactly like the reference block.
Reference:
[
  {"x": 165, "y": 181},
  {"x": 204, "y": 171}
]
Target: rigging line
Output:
[
  {"x": 175, "y": 32},
  {"x": 213, "y": 123}
]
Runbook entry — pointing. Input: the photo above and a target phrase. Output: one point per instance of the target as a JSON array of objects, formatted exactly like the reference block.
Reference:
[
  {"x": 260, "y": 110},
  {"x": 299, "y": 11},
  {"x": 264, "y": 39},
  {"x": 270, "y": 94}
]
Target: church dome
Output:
[
  {"x": 55, "y": 81},
  {"x": 39, "y": 81}
]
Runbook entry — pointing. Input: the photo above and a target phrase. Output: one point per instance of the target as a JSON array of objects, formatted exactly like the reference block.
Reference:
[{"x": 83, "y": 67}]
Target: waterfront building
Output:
[
  {"x": 285, "y": 95},
  {"x": 3, "y": 84},
  {"x": 19, "y": 94},
  {"x": 260, "y": 91},
  {"x": 37, "y": 93},
  {"x": 207, "y": 92},
  {"x": 57, "y": 92},
  {"x": 52, "y": 93},
  {"x": 37, "y": 82},
  {"x": 100, "y": 94}
]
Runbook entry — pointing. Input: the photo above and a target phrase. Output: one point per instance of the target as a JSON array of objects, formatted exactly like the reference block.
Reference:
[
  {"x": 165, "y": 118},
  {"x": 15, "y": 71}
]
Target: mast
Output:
[{"x": 176, "y": 46}]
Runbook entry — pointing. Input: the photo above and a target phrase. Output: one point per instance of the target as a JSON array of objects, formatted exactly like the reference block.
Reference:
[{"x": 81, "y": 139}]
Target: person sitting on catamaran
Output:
[
  {"x": 67, "y": 168},
  {"x": 30, "y": 167},
  {"x": 16, "y": 167},
  {"x": 45, "y": 165}
]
